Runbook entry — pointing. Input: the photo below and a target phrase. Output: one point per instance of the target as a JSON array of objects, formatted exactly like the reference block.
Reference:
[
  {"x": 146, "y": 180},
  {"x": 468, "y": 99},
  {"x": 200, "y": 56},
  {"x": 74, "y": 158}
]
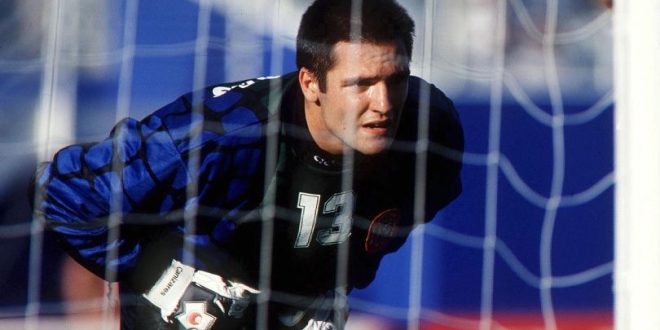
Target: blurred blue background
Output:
[{"x": 548, "y": 117}]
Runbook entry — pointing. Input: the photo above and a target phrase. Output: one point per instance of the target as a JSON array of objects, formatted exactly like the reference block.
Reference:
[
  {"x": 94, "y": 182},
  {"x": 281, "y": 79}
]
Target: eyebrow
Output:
[
  {"x": 359, "y": 80},
  {"x": 399, "y": 74}
]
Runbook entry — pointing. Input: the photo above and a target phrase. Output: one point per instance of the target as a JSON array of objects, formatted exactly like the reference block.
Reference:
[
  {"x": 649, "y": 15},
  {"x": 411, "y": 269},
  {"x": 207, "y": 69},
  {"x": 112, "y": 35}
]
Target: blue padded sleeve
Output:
[{"x": 141, "y": 175}]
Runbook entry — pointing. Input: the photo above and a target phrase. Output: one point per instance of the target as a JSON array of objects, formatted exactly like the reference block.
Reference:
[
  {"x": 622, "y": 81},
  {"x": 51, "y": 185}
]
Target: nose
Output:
[{"x": 381, "y": 98}]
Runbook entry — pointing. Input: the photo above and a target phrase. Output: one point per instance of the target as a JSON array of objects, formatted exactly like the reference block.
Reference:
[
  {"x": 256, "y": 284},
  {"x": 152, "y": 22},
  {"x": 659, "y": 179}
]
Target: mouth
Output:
[{"x": 378, "y": 127}]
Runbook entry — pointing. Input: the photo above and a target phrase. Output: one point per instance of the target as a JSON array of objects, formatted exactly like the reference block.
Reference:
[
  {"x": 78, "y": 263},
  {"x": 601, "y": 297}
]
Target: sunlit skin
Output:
[{"x": 364, "y": 96}]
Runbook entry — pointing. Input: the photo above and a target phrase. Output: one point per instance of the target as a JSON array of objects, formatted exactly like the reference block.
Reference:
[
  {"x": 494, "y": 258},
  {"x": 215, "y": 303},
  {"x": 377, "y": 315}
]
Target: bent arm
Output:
[
  {"x": 105, "y": 201},
  {"x": 135, "y": 172}
]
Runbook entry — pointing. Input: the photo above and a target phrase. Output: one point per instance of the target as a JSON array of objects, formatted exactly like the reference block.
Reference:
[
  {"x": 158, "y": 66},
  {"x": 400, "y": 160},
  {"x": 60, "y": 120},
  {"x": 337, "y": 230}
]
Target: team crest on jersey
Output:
[{"x": 382, "y": 229}]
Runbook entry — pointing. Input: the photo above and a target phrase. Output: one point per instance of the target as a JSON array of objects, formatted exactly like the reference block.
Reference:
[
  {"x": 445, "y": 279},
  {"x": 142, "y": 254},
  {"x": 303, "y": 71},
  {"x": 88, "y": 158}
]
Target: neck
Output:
[{"x": 320, "y": 133}]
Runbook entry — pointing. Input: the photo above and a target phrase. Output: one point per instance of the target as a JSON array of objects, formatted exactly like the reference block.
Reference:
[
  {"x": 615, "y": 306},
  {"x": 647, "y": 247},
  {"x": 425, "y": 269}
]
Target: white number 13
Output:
[{"x": 339, "y": 203}]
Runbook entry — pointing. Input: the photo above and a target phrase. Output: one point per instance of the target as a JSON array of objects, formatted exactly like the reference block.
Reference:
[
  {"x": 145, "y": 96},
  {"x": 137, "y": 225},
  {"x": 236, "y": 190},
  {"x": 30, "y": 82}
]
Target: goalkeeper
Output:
[{"x": 210, "y": 219}]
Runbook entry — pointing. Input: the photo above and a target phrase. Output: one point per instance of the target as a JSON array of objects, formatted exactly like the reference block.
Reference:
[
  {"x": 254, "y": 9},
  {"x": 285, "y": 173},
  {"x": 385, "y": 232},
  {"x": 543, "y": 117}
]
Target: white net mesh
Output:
[{"x": 529, "y": 242}]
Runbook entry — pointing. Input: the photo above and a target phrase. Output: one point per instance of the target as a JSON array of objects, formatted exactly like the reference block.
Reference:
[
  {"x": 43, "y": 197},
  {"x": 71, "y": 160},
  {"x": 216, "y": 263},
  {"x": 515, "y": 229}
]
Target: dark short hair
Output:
[{"x": 327, "y": 22}]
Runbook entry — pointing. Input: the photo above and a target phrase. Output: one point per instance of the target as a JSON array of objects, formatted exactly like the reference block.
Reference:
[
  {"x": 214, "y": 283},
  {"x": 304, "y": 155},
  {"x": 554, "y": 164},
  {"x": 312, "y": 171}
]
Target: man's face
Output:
[{"x": 362, "y": 102}]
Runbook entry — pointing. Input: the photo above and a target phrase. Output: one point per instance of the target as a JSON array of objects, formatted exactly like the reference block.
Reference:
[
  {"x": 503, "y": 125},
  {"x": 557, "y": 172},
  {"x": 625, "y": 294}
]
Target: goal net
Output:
[{"x": 528, "y": 244}]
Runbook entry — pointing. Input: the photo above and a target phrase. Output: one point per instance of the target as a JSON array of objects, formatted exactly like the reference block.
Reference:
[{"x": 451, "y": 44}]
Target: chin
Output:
[{"x": 373, "y": 148}]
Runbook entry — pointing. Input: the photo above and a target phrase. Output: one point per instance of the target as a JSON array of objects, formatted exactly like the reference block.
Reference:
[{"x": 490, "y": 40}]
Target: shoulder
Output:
[
  {"x": 420, "y": 89},
  {"x": 428, "y": 104},
  {"x": 263, "y": 93},
  {"x": 429, "y": 116},
  {"x": 240, "y": 107}
]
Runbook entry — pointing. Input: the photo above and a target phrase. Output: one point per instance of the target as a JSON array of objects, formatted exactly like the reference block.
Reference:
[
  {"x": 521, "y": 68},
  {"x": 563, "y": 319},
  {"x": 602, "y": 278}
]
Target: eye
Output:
[
  {"x": 398, "y": 78},
  {"x": 359, "y": 82},
  {"x": 360, "y": 85}
]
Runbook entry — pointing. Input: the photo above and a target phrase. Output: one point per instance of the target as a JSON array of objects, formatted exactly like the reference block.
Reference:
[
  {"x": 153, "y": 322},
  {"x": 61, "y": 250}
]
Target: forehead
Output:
[{"x": 359, "y": 56}]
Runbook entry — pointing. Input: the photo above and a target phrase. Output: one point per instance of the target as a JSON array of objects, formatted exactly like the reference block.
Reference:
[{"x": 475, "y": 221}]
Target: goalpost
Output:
[{"x": 637, "y": 84}]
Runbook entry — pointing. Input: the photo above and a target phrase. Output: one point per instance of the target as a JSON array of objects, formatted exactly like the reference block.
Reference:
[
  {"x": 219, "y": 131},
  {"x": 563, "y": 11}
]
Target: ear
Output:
[{"x": 309, "y": 85}]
